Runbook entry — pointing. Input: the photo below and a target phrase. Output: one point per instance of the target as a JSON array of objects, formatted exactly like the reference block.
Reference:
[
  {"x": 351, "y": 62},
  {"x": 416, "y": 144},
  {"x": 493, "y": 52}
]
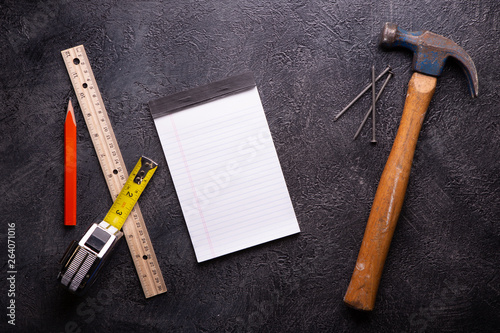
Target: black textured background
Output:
[{"x": 309, "y": 59}]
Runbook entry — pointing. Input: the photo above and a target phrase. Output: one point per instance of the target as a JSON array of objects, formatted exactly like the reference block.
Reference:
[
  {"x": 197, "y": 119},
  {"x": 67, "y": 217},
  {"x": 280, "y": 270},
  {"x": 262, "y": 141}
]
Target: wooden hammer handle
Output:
[{"x": 389, "y": 196}]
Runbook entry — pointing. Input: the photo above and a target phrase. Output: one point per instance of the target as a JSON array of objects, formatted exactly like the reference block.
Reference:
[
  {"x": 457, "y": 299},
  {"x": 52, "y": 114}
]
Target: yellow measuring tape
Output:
[
  {"x": 113, "y": 167},
  {"x": 83, "y": 260},
  {"x": 130, "y": 193}
]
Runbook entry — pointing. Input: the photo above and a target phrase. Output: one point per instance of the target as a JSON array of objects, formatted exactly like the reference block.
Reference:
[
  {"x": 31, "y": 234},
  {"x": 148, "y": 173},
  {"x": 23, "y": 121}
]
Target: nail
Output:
[
  {"x": 361, "y": 94},
  {"x": 370, "y": 111},
  {"x": 374, "y": 140}
]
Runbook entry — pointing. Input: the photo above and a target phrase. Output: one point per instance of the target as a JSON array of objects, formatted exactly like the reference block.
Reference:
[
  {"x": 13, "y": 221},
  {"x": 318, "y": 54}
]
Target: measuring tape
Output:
[
  {"x": 136, "y": 182},
  {"x": 83, "y": 260},
  {"x": 113, "y": 167}
]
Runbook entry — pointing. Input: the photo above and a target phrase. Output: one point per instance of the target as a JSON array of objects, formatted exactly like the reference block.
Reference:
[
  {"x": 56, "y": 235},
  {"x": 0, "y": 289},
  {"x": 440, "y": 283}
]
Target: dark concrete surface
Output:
[{"x": 309, "y": 59}]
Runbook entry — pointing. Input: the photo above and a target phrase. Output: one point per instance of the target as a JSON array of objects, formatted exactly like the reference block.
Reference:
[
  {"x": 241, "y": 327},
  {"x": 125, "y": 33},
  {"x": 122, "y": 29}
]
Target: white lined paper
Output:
[{"x": 227, "y": 174}]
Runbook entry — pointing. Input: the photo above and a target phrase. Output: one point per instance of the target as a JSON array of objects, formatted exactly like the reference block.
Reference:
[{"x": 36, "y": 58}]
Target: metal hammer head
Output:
[{"x": 430, "y": 52}]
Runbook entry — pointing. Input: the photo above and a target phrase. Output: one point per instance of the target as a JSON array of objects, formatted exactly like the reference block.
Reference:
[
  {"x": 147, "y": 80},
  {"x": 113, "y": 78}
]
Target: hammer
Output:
[{"x": 430, "y": 54}]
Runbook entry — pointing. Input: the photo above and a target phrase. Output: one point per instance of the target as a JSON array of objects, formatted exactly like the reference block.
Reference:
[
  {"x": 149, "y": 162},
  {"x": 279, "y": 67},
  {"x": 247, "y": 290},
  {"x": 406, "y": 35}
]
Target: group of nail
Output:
[{"x": 375, "y": 98}]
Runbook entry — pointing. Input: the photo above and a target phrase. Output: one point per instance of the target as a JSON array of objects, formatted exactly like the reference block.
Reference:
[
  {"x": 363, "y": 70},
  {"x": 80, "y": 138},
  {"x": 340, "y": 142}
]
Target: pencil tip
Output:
[{"x": 70, "y": 111}]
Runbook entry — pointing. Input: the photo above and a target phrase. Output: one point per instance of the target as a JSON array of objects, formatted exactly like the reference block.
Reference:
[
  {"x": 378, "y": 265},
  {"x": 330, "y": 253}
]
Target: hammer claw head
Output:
[{"x": 430, "y": 52}]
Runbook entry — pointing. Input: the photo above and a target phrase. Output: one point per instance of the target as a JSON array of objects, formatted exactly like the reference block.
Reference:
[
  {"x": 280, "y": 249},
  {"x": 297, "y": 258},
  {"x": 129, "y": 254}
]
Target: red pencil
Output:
[{"x": 70, "y": 167}]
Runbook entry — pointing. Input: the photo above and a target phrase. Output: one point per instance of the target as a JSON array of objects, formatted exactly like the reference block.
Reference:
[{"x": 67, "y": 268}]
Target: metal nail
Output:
[
  {"x": 361, "y": 94},
  {"x": 370, "y": 111},
  {"x": 374, "y": 140}
]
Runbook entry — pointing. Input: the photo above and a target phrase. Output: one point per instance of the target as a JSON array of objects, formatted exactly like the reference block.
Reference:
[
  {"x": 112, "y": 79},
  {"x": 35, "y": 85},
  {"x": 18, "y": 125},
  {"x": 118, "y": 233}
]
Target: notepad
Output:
[{"x": 225, "y": 169}]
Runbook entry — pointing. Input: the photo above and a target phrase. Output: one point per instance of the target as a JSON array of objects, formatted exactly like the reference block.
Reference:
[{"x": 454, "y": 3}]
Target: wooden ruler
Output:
[{"x": 113, "y": 167}]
